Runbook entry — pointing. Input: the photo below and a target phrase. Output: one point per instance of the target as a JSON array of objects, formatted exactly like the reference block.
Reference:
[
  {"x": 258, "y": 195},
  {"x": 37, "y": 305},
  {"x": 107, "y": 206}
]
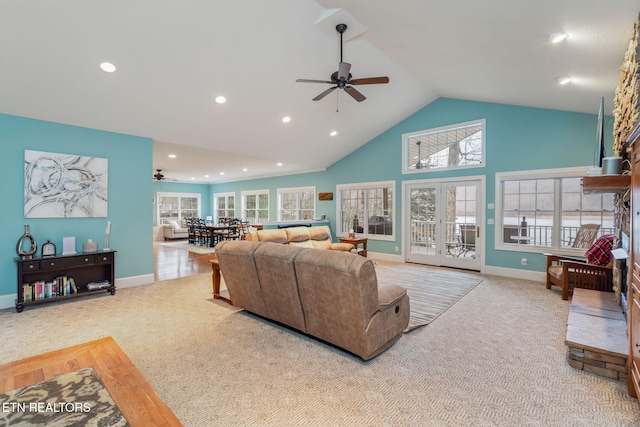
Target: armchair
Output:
[{"x": 594, "y": 273}]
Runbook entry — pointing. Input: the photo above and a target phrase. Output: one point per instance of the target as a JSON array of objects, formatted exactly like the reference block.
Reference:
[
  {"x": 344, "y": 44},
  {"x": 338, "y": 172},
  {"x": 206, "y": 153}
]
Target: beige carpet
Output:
[
  {"x": 495, "y": 358},
  {"x": 184, "y": 245},
  {"x": 431, "y": 290}
]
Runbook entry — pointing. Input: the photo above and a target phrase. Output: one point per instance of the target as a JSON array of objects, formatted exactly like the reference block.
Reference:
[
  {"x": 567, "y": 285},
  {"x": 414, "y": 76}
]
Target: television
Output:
[{"x": 600, "y": 151}]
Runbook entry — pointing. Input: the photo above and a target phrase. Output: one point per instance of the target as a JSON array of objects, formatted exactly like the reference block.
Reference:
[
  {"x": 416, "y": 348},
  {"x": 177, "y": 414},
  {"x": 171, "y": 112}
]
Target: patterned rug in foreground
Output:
[
  {"x": 431, "y": 290},
  {"x": 74, "y": 399}
]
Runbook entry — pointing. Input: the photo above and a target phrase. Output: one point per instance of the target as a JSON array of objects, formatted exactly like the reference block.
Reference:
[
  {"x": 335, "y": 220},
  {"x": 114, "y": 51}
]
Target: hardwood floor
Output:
[
  {"x": 137, "y": 401},
  {"x": 172, "y": 263}
]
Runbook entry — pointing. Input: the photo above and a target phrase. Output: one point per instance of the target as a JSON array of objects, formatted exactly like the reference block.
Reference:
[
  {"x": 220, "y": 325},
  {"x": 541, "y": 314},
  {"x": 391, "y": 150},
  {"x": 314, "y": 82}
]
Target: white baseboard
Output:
[
  {"x": 385, "y": 257},
  {"x": 9, "y": 301},
  {"x": 536, "y": 276},
  {"x": 129, "y": 282}
]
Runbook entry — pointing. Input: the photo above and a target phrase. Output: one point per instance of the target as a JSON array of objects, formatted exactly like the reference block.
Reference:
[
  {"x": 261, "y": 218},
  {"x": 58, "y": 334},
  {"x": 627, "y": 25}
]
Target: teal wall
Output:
[
  {"x": 517, "y": 138},
  {"x": 129, "y": 192},
  {"x": 180, "y": 187}
]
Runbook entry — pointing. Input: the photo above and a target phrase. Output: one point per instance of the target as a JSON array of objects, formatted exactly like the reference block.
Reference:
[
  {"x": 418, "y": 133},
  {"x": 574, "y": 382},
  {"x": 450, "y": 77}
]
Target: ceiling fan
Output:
[
  {"x": 158, "y": 176},
  {"x": 342, "y": 79}
]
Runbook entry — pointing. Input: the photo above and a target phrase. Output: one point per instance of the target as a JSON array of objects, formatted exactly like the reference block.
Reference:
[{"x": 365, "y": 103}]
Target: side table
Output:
[
  {"x": 357, "y": 241},
  {"x": 215, "y": 277}
]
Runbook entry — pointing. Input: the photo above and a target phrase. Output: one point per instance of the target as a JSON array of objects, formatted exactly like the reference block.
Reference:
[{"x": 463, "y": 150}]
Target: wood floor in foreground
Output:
[{"x": 137, "y": 401}]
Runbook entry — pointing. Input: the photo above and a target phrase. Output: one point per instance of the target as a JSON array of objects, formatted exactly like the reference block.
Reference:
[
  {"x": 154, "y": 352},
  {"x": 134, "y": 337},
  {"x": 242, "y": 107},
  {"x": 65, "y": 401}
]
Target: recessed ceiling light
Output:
[
  {"x": 563, "y": 80},
  {"x": 221, "y": 99},
  {"x": 334, "y": 133},
  {"x": 286, "y": 119},
  {"x": 558, "y": 37},
  {"x": 206, "y": 176},
  {"x": 279, "y": 163},
  {"x": 221, "y": 173},
  {"x": 107, "y": 67},
  {"x": 193, "y": 178},
  {"x": 172, "y": 156},
  {"x": 244, "y": 169}
]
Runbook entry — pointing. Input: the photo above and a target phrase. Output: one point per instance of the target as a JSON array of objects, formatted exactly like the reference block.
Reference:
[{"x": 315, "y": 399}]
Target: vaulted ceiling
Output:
[{"x": 174, "y": 58}]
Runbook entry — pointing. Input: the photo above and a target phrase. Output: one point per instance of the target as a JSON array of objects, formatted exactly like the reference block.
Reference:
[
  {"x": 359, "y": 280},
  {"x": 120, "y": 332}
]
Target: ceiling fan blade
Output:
[
  {"x": 325, "y": 93},
  {"x": 343, "y": 71},
  {"x": 314, "y": 81},
  {"x": 369, "y": 81},
  {"x": 354, "y": 93}
]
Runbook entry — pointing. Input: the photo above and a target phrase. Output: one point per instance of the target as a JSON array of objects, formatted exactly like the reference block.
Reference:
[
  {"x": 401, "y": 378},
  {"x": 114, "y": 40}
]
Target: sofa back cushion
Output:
[
  {"x": 339, "y": 295},
  {"x": 238, "y": 268},
  {"x": 272, "y": 235},
  {"x": 320, "y": 237},
  {"x": 279, "y": 283}
]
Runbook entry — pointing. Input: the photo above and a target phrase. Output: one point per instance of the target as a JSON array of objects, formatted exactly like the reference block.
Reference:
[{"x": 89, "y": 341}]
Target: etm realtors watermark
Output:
[{"x": 61, "y": 407}]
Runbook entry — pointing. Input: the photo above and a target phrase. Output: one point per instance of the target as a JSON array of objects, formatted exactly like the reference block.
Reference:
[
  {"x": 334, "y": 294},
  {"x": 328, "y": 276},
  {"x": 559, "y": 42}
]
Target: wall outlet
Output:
[
  {"x": 523, "y": 261},
  {"x": 396, "y": 249}
]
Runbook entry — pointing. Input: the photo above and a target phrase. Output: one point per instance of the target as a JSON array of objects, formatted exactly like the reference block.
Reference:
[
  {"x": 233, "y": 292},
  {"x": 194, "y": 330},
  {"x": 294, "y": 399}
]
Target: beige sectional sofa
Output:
[
  {"x": 330, "y": 295},
  {"x": 318, "y": 237}
]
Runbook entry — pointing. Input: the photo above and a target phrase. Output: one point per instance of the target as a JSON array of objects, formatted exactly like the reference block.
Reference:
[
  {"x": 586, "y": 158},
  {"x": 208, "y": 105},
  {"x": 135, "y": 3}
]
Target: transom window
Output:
[
  {"x": 296, "y": 203},
  {"x": 448, "y": 147},
  {"x": 224, "y": 205},
  {"x": 367, "y": 209},
  {"x": 545, "y": 209},
  {"x": 255, "y": 206},
  {"x": 176, "y": 206}
]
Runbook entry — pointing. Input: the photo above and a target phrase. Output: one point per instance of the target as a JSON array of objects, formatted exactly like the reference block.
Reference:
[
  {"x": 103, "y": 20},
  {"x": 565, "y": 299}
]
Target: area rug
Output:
[
  {"x": 73, "y": 399},
  {"x": 431, "y": 290},
  {"x": 184, "y": 245}
]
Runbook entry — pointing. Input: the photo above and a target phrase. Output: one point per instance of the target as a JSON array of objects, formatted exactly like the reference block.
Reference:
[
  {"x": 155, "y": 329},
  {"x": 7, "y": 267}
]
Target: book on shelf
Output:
[{"x": 40, "y": 289}]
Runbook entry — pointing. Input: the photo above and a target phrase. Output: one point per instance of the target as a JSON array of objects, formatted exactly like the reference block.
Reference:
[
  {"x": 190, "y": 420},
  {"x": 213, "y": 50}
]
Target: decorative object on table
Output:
[
  {"x": 26, "y": 238},
  {"x": 89, "y": 246},
  {"x": 64, "y": 185},
  {"x": 352, "y": 234},
  {"x": 48, "y": 249},
  {"x": 107, "y": 233},
  {"x": 209, "y": 220},
  {"x": 69, "y": 245}
]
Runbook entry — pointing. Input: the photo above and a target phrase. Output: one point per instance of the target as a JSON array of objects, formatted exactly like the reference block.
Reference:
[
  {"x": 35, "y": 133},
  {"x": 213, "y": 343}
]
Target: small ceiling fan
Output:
[
  {"x": 342, "y": 79},
  {"x": 158, "y": 176}
]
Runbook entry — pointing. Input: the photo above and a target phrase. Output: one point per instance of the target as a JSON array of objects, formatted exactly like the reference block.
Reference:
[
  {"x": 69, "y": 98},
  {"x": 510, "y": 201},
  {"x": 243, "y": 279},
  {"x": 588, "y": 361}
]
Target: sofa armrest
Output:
[
  {"x": 388, "y": 295},
  {"x": 346, "y": 247}
]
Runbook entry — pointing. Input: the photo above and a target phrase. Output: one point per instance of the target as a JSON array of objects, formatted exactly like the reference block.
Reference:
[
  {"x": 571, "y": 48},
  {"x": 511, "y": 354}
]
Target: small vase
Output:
[{"x": 26, "y": 237}]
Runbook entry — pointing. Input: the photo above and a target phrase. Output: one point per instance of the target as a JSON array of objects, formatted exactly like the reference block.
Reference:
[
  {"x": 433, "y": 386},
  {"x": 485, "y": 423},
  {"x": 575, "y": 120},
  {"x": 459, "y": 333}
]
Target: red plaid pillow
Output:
[{"x": 600, "y": 252}]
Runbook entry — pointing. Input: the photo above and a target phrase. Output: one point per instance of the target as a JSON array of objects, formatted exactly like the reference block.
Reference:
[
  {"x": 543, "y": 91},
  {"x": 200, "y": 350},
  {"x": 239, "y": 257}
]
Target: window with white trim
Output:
[
  {"x": 255, "y": 206},
  {"x": 224, "y": 205},
  {"x": 542, "y": 210},
  {"x": 296, "y": 203},
  {"x": 448, "y": 147},
  {"x": 366, "y": 208},
  {"x": 176, "y": 206}
]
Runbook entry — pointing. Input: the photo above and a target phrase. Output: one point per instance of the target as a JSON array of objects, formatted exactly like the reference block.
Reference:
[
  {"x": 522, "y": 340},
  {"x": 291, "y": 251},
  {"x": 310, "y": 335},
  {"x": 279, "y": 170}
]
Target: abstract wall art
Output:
[{"x": 64, "y": 185}]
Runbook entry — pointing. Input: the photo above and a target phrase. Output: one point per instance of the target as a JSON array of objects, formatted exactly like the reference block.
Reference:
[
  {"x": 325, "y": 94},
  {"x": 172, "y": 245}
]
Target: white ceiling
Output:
[{"x": 173, "y": 58}]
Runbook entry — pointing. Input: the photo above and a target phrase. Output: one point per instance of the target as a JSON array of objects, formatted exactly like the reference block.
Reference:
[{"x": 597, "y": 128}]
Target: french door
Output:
[{"x": 443, "y": 222}]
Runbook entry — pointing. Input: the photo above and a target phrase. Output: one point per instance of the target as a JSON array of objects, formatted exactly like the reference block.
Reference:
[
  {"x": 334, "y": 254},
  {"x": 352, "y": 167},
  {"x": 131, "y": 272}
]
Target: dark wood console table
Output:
[{"x": 54, "y": 278}]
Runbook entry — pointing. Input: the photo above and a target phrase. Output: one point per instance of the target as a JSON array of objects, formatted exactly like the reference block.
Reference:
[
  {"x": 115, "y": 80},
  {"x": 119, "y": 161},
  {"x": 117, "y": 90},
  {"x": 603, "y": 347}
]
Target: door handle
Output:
[{"x": 477, "y": 231}]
